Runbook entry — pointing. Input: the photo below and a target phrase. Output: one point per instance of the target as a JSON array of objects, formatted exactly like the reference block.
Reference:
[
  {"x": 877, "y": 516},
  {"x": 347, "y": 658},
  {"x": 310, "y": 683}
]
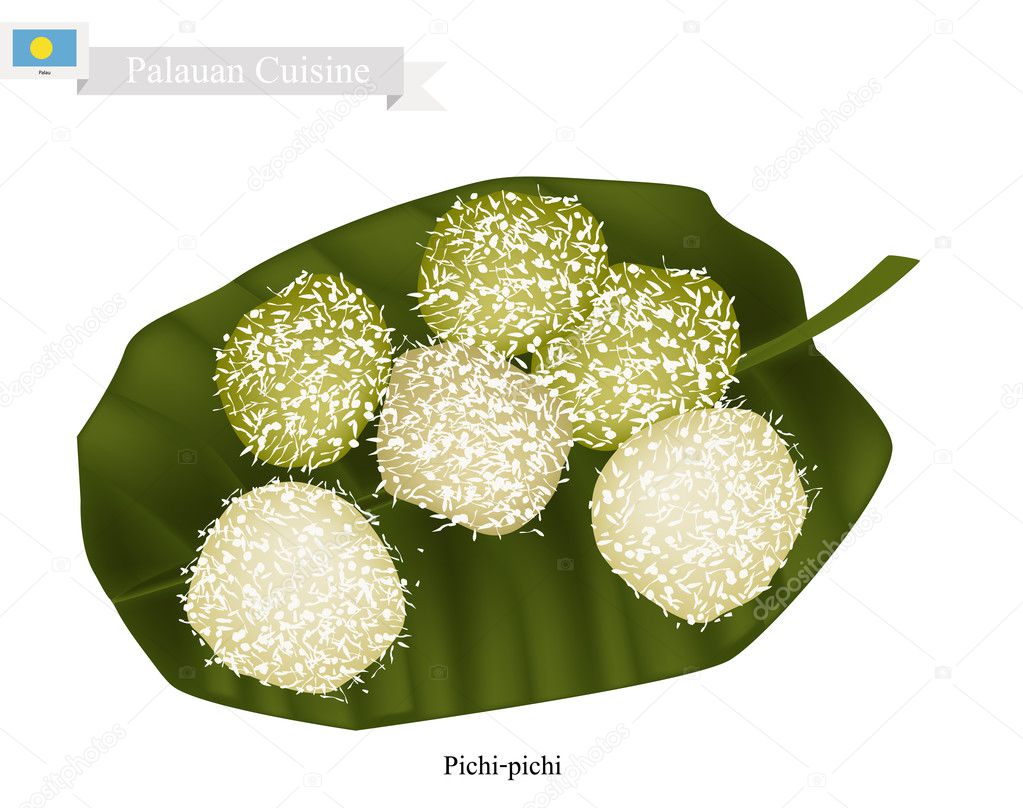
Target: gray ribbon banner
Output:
[{"x": 261, "y": 71}]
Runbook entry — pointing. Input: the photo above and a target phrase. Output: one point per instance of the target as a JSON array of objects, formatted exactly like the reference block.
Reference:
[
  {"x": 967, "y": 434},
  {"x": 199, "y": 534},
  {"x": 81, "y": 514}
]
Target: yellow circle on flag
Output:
[{"x": 41, "y": 47}]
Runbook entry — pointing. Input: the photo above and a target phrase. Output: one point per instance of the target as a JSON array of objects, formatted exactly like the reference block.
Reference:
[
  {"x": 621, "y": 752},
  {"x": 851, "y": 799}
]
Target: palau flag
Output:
[{"x": 45, "y": 47}]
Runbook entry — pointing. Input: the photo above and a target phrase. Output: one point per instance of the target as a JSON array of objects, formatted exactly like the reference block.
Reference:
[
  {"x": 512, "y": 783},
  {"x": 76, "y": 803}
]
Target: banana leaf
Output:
[{"x": 496, "y": 622}]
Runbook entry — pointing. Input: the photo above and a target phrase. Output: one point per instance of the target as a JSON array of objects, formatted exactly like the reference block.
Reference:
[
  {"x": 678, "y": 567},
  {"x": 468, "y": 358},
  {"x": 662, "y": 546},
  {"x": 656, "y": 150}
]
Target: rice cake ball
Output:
[
  {"x": 472, "y": 438},
  {"x": 658, "y": 342},
  {"x": 505, "y": 271},
  {"x": 301, "y": 375},
  {"x": 697, "y": 512},
  {"x": 294, "y": 587}
]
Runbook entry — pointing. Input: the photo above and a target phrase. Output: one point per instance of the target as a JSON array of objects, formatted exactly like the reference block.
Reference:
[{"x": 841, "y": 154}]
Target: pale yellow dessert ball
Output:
[
  {"x": 294, "y": 587},
  {"x": 472, "y": 438},
  {"x": 698, "y": 512}
]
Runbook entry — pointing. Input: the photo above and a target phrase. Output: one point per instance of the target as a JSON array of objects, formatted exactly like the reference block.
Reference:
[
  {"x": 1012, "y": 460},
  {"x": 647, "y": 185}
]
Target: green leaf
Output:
[{"x": 495, "y": 623}]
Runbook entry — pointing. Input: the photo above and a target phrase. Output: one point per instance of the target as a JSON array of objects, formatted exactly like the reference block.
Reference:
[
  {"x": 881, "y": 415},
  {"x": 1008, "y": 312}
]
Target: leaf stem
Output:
[{"x": 875, "y": 283}]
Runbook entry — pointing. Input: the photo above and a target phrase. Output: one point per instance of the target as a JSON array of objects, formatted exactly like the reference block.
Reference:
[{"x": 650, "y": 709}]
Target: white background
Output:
[{"x": 895, "y": 676}]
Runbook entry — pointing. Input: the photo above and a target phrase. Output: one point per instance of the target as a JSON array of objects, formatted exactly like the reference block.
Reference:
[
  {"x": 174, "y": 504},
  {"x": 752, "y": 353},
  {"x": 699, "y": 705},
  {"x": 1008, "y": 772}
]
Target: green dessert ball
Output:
[
  {"x": 506, "y": 271},
  {"x": 301, "y": 375},
  {"x": 658, "y": 342}
]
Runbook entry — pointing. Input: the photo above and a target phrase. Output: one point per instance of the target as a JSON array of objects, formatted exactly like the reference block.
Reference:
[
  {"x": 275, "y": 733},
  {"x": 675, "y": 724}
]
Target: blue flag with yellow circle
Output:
[{"x": 44, "y": 47}]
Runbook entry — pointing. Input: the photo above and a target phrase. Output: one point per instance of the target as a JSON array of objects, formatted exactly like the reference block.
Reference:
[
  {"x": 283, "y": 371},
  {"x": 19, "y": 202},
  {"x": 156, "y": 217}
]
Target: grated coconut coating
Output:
[
  {"x": 505, "y": 271},
  {"x": 301, "y": 375},
  {"x": 697, "y": 512},
  {"x": 472, "y": 438},
  {"x": 294, "y": 587},
  {"x": 658, "y": 342}
]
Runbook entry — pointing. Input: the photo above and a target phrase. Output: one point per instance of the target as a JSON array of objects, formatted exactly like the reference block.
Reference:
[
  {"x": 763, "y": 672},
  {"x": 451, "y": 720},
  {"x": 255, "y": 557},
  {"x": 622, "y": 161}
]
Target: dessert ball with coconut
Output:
[
  {"x": 698, "y": 512},
  {"x": 472, "y": 438},
  {"x": 301, "y": 375},
  {"x": 505, "y": 271},
  {"x": 658, "y": 341},
  {"x": 294, "y": 587}
]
